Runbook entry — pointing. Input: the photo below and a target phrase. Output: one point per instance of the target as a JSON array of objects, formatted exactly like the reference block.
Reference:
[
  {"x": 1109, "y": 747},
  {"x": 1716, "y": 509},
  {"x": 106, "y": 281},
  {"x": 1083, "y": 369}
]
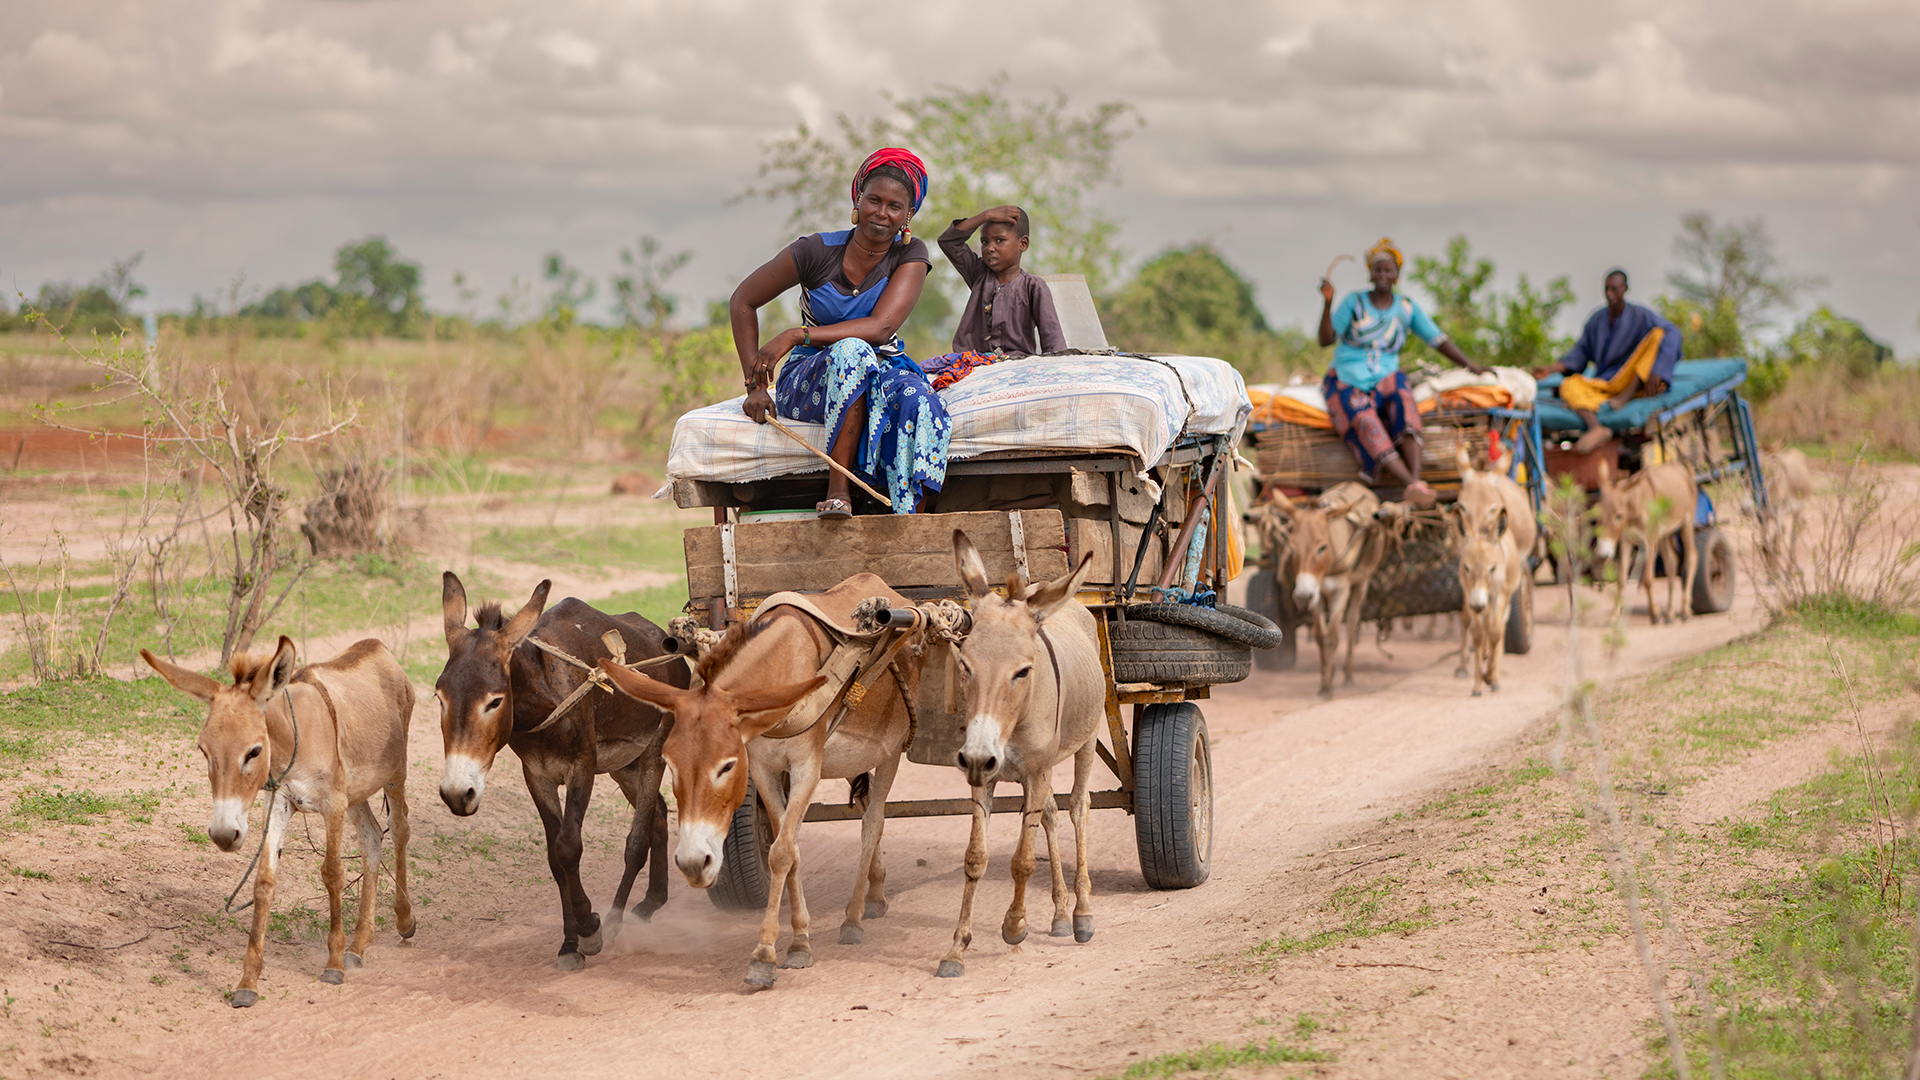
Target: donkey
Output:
[
  {"x": 498, "y": 688},
  {"x": 752, "y": 679},
  {"x": 1486, "y": 496},
  {"x": 1335, "y": 560},
  {"x": 1036, "y": 694},
  {"x": 1490, "y": 570},
  {"x": 1628, "y": 518},
  {"x": 323, "y": 739}
]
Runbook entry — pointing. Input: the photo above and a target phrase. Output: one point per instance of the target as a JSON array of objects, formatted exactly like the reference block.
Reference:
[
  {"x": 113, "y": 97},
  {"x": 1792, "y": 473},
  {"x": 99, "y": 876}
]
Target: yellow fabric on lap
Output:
[{"x": 1585, "y": 394}]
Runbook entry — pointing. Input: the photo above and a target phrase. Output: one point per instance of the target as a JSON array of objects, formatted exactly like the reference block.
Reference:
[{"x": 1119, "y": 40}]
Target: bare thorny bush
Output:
[
  {"x": 1855, "y": 546},
  {"x": 211, "y": 506}
]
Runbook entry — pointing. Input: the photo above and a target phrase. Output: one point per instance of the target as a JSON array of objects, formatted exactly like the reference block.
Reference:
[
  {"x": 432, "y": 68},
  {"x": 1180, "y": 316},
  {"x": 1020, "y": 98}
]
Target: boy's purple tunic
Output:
[{"x": 1001, "y": 318}]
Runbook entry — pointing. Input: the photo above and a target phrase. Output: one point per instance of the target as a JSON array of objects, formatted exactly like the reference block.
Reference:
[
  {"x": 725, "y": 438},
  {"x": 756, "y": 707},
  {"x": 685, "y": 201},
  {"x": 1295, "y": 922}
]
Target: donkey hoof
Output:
[
  {"x": 591, "y": 944},
  {"x": 1083, "y": 928},
  {"x": 1012, "y": 936},
  {"x": 760, "y": 973},
  {"x": 350, "y": 960},
  {"x": 876, "y": 909},
  {"x": 951, "y": 969},
  {"x": 406, "y": 931},
  {"x": 1494, "y": 687},
  {"x": 852, "y": 935},
  {"x": 644, "y": 910},
  {"x": 1061, "y": 928},
  {"x": 797, "y": 958},
  {"x": 244, "y": 999},
  {"x": 570, "y": 961},
  {"x": 1459, "y": 673},
  {"x": 333, "y": 976},
  {"x": 1324, "y": 695}
]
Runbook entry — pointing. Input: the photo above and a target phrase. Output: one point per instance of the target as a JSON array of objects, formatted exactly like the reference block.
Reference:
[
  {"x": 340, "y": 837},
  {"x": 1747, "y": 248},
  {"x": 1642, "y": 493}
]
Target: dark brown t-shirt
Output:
[{"x": 1016, "y": 318}]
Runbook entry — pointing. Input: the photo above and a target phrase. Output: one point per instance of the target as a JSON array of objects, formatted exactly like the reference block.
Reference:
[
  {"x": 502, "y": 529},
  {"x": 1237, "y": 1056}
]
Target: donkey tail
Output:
[{"x": 859, "y": 790}]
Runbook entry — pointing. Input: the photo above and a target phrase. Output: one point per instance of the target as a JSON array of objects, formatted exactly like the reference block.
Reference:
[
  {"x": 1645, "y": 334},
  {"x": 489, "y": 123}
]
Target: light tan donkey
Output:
[
  {"x": 1484, "y": 495},
  {"x": 324, "y": 739},
  {"x": 1036, "y": 694},
  {"x": 760, "y": 698},
  {"x": 1490, "y": 565},
  {"x": 1665, "y": 496}
]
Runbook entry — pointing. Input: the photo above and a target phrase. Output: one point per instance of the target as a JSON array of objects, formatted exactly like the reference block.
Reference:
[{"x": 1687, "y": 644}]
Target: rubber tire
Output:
[
  {"x": 1520, "y": 619},
  {"x": 1155, "y": 652},
  {"x": 1715, "y": 581},
  {"x": 745, "y": 879},
  {"x": 1264, "y": 597},
  {"x": 1173, "y": 795},
  {"x": 1249, "y": 628}
]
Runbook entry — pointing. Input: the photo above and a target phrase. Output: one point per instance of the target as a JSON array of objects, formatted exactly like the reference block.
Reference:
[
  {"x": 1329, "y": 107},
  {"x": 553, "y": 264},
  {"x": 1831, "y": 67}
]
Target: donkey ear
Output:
[
  {"x": 652, "y": 691},
  {"x": 453, "y": 605},
  {"x": 1055, "y": 594},
  {"x": 1461, "y": 460},
  {"x": 526, "y": 618},
  {"x": 1456, "y": 516},
  {"x": 271, "y": 678},
  {"x": 1500, "y": 523},
  {"x": 761, "y": 710},
  {"x": 191, "y": 683},
  {"x": 966, "y": 558},
  {"x": 1605, "y": 473}
]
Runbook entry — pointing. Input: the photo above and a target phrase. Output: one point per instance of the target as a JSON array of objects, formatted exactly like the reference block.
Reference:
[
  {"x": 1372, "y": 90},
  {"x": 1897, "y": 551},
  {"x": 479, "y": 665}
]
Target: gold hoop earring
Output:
[{"x": 856, "y": 215}]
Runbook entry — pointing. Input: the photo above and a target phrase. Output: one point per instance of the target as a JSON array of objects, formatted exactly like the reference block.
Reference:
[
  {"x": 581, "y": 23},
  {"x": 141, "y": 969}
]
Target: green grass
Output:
[
  {"x": 62, "y": 807},
  {"x": 1217, "y": 1057},
  {"x": 655, "y": 545},
  {"x": 97, "y": 707},
  {"x": 1364, "y": 910},
  {"x": 658, "y": 604}
]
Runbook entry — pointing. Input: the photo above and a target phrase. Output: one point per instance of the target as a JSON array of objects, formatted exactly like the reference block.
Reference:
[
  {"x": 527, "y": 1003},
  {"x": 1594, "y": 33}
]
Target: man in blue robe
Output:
[{"x": 1632, "y": 350}]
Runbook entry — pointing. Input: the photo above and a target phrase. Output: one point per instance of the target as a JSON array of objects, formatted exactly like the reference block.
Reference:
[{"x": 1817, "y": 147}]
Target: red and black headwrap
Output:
[{"x": 906, "y": 162}]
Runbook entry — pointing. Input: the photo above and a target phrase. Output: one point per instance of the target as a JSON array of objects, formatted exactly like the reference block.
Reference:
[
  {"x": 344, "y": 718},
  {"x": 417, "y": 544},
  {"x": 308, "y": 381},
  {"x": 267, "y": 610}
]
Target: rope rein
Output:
[{"x": 273, "y": 788}]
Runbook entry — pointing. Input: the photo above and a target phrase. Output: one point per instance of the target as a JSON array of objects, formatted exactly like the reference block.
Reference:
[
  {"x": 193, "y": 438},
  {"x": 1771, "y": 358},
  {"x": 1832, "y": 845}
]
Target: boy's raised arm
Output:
[{"x": 953, "y": 242}]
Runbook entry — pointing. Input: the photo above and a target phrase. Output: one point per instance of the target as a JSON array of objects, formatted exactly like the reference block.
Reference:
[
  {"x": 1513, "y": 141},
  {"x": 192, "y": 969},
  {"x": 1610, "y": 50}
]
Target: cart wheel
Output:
[
  {"x": 1520, "y": 619},
  {"x": 744, "y": 878},
  {"x": 1173, "y": 795},
  {"x": 1265, "y": 597},
  {"x": 1713, "y": 584}
]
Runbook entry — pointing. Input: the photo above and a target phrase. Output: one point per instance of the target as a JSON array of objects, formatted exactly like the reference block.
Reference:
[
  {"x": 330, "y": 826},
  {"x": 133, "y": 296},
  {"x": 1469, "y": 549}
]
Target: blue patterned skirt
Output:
[{"x": 904, "y": 449}]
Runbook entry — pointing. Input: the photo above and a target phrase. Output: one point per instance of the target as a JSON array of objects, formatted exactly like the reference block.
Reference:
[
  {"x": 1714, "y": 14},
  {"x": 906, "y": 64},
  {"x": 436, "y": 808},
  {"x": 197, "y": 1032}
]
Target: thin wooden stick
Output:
[{"x": 821, "y": 454}]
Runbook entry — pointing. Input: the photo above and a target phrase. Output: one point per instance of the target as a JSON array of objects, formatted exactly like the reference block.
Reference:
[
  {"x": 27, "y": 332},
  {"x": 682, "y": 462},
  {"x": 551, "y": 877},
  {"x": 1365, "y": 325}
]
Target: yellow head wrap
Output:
[{"x": 1385, "y": 247}]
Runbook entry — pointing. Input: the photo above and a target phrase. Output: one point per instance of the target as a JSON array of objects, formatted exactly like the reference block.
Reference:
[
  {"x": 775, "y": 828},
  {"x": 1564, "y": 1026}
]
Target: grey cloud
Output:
[{"x": 489, "y": 130}]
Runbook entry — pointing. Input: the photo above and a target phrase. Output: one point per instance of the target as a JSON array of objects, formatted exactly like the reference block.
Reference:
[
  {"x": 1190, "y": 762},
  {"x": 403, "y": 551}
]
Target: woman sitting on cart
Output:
[
  {"x": 848, "y": 368},
  {"x": 1367, "y": 395}
]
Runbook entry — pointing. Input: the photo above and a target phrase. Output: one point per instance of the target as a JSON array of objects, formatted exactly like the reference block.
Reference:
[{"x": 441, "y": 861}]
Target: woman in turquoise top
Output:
[{"x": 1367, "y": 395}]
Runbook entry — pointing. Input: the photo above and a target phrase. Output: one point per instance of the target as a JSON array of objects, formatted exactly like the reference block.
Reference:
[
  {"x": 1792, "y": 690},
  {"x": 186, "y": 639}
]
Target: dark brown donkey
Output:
[{"x": 499, "y": 687}]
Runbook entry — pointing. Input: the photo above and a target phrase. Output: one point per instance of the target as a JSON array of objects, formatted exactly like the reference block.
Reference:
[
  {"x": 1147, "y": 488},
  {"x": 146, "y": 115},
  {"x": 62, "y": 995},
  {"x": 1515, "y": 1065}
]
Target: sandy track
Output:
[{"x": 481, "y": 998}]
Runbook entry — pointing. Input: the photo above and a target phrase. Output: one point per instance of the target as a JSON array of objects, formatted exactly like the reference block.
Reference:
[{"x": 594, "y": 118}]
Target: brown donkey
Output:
[
  {"x": 323, "y": 739},
  {"x": 1335, "y": 558},
  {"x": 753, "y": 678},
  {"x": 499, "y": 688},
  {"x": 1036, "y": 694}
]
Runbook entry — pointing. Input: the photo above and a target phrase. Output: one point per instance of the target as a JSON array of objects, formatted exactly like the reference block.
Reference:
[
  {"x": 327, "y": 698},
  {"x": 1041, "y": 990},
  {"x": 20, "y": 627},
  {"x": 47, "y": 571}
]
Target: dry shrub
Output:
[
  {"x": 1826, "y": 406},
  {"x": 1854, "y": 547},
  {"x": 354, "y": 511}
]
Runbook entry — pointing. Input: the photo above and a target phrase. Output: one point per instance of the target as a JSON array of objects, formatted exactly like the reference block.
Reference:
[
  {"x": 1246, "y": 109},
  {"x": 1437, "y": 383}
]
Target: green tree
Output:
[
  {"x": 640, "y": 294},
  {"x": 1191, "y": 300},
  {"x": 982, "y": 148},
  {"x": 1734, "y": 264},
  {"x": 376, "y": 290},
  {"x": 100, "y": 305},
  {"x": 1509, "y": 330},
  {"x": 1706, "y": 330},
  {"x": 568, "y": 290}
]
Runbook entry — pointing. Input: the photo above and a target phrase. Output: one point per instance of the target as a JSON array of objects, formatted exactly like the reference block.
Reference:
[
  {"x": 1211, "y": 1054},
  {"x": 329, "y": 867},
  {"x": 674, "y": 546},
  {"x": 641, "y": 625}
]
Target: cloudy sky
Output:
[{"x": 251, "y": 137}]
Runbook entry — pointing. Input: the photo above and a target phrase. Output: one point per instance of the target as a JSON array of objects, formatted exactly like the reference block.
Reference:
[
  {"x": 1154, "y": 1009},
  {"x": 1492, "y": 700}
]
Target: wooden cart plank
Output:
[{"x": 905, "y": 550}]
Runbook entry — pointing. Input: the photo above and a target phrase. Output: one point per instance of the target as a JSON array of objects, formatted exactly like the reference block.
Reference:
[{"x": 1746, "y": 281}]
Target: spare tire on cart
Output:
[{"x": 1188, "y": 644}]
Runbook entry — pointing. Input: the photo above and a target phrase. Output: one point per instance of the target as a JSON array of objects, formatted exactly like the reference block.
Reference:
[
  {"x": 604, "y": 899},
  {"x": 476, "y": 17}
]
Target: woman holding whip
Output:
[
  {"x": 846, "y": 366},
  {"x": 1367, "y": 395}
]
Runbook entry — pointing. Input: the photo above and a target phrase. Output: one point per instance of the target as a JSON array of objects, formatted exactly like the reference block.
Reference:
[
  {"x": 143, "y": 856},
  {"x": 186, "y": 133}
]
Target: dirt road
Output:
[{"x": 476, "y": 995}]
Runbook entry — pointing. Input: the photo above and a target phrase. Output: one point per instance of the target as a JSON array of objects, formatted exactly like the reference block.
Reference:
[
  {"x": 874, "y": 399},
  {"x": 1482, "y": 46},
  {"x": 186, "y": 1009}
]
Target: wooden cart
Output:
[{"x": 1155, "y": 743}]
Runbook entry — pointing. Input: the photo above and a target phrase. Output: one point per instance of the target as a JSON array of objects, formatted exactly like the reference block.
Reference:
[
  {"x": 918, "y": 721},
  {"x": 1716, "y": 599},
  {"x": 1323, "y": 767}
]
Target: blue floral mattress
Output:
[
  {"x": 1690, "y": 378},
  {"x": 1091, "y": 402}
]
